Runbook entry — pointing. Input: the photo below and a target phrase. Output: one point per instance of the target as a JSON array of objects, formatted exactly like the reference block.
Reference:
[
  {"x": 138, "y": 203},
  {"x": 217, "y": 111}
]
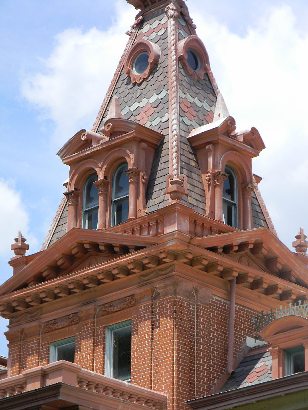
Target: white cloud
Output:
[
  {"x": 263, "y": 76},
  {"x": 14, "y": 217},
  {"x": 74, "y": 79}
]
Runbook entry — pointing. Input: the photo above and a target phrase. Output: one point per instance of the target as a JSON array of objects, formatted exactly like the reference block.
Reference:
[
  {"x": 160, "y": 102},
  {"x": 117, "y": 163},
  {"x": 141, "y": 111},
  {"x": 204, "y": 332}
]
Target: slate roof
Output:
[
  {"x": 58, "y": 226},
  {"x": 255, "y": 368},
  {"x": 258, "y": 218},
  {"x": 148, "y": 104}
]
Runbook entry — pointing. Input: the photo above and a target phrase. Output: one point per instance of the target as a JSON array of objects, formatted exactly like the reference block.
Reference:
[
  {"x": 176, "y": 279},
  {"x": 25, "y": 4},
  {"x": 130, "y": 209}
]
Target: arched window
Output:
[
  {"x": 119, "y": 206},
  {"x": 230, "y": 198},
  {"x": 90, "y": 204}
]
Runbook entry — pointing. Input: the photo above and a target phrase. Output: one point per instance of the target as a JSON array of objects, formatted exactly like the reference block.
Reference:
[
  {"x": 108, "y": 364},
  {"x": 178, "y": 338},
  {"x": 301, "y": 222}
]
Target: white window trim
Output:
[
  {"x": 53, "y": 348},
  {"x": 109, "y": 346}
]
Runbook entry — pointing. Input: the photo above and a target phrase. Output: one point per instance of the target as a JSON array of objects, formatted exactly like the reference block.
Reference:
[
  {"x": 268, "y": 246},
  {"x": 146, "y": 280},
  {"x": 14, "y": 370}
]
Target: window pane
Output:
[
  {"x": 121, "y": 182},
  {"x": 91, "y": 219},
  {"x": 141, "y": 63},
  {"x": 229, "y": 187},
  {"x": 193, "y": 60},
  {"x": 66, "y": 352},
  {"x": 91, "y": 193},
  {"x": 63, "y": 350},
  {"x": 120, "y": 211},
  {"x": 122, "y": 353},
  {"x": 118, "y": 351},
  {"x": 294, "y": 360}
]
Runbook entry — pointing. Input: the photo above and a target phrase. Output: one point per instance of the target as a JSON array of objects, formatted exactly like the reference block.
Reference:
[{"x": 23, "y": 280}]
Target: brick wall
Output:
[{"x": 178, "y": 347}]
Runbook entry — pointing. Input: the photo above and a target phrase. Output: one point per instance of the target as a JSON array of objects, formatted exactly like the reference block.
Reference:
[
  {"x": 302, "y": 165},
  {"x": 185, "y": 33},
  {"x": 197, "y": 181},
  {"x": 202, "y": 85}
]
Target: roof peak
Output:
[{"x": 146, "y": 4}]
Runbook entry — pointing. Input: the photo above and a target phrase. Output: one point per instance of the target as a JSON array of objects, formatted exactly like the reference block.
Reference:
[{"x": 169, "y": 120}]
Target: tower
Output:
[{"x": 162, "y": 251}]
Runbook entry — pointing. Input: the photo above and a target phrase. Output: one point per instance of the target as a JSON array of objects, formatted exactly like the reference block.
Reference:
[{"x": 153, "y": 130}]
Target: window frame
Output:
[
  {"x": 289, "y": 356},
  {"x": 230, "y": 202},
  {"x": 109, "y": 351},
  {"x": 115, "y": 200},
  {"x": 87, "y": 210},
  {"x": 53, "y": 349}
]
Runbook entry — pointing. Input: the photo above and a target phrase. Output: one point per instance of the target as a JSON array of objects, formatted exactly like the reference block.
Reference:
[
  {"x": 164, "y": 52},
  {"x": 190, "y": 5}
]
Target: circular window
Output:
[
  {"x": 141, "y": 63},
  {"x": 193, "y": 60}
]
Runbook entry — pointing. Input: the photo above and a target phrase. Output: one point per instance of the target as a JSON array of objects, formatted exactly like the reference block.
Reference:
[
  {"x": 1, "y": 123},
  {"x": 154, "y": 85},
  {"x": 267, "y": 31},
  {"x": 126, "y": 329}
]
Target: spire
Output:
[
  {"x": 169, "y": 96},
  {"x": 300, "y": 245}
]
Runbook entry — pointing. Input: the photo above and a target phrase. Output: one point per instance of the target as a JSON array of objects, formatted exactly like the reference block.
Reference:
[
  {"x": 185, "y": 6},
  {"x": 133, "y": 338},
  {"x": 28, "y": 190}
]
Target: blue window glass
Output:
[
  {"x": 141, "y": 63},
  {"x": 230, "y": 199},
  {"x": 120, "y": 188},
  {"x": 90, "y": 203},
  {"x": 193, "y": 60}
]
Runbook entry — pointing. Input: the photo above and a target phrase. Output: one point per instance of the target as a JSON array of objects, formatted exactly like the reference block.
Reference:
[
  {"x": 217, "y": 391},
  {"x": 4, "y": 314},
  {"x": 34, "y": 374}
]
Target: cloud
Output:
[
  {"x": 72, "y": 83},
  {"x": 263, "y": 76},
  {"x": 14, "y": 217}
]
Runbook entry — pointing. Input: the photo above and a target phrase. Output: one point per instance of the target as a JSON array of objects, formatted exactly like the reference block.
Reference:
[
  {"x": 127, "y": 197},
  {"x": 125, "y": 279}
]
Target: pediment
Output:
[
  {"x": 249, "y": 260},
  {"x": 82, "y": 141},
  {"x": 77, "y": 250},
  {"x": 89, "y": 262}
]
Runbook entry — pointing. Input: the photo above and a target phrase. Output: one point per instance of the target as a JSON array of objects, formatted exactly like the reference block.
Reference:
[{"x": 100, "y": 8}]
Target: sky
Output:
[{"x": 57, "y": 59}]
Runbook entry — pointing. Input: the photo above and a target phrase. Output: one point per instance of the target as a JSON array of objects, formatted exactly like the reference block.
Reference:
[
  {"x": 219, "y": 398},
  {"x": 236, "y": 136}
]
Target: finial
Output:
[
  {"x": 20, "y": 246},
  {"x": 300, "y": 244}
]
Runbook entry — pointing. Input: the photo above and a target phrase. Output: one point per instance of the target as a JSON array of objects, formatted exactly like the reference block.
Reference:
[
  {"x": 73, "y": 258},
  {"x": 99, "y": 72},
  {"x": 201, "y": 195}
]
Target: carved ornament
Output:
[
  {"x": 72, "y": 196},
  {"x": 219, "y": 177},
  {"x": 172, "y": 11},
  {"x": 102, "y": 186},
  {"x": 118, "y": 305},
  {"x": 141, "y": 46},
  {"x": 195, "y": 44},
  {"x": 61, "y": 322}
]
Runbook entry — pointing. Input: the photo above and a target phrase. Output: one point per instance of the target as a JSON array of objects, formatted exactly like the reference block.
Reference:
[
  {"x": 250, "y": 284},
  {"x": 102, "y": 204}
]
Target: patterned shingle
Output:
[
  {"x": 60, "y": 227},
  {"x": 258, "y": 218},
  {"x": 255, "y": 368}
]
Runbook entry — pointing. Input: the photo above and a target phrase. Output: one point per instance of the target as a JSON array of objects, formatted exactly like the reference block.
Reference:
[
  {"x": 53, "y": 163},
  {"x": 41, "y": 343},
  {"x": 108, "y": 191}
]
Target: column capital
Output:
[
  {"x": 102, "y": 185},
  {"x": 133, "y": 174},
  {"x": 219, "y": 177},
  {"x": 249, "y": 187},
  {"x": 72, "y": 196},
  {"x": 172, "y": 11}
]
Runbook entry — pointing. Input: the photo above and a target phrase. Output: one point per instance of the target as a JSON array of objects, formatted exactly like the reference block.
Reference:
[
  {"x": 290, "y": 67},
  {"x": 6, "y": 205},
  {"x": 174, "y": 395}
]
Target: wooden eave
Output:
[
  {"x": 153, "y": 258},
  {"x": 64, "y": 247},
  {"x": 271, "y": 248}
]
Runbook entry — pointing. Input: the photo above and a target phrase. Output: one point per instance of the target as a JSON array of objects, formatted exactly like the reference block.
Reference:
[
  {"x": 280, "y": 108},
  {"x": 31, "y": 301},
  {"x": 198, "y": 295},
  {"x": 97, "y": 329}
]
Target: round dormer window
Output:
[
  {"x": 141, "y": 63},
  {"x": 193, "y": 60}
]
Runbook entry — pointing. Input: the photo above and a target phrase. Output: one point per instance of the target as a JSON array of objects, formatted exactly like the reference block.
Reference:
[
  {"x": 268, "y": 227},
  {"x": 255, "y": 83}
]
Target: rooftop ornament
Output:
[
  {"x": 19, "y": 247},
  {"x": 300, "y": 244}
]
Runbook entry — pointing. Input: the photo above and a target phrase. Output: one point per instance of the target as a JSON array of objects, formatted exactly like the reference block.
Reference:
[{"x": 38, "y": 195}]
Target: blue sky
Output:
[{"x": 58, "y": 57}]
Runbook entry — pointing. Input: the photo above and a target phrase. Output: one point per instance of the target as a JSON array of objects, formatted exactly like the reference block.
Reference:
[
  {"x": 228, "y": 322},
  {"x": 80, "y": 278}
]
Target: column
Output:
[
  {"x": 219, "y": 178},
  {"x": 133, "y": 177},
  {"x": 72, "y": 201},
  {"x": 247, "y": 219},
  {"x": 102, "y": 186}
]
